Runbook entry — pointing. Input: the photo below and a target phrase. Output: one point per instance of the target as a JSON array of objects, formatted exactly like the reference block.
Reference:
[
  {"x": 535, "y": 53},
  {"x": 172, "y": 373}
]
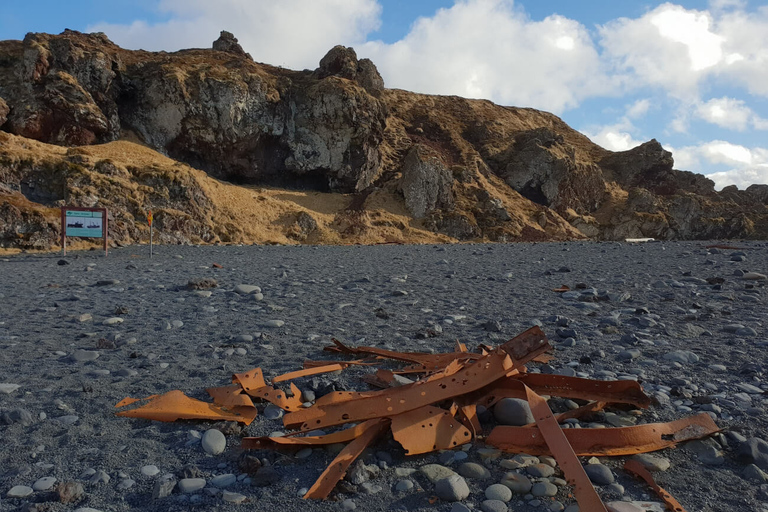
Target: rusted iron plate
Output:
[
  {"x": 562, "y": 289},
  {"x": 639, "y": 471},
  {"x": 620, "y": 392},
  {"x": 558, "y": 444},
  {"x": 427, "y": 429},
  {"x": 358, "y": 362},
  {"x": 580, "y": 412},
  {"x": 279, "y": 397},
  {"x": 338, "y": 468},
  {"x": 230, "y": 396},
  {"x": 175, "y": 405},
  {"x": 607, "y": 441},
  {"x": 468, "y": 416},
  {"x": 424, "y": 360},
  {"x": 250, "y": 381},
  {"x": 129, "y": 401},
  {"x": 274, "y": 443},
  {"x": 307, "y": 372},
  {"x": 389, "y": 402}
]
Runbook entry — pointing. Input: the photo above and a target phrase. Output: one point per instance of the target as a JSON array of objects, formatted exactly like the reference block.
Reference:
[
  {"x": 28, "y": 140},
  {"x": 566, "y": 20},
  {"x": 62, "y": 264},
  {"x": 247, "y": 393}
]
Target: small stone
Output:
[
  {"x": 273, "y": 412},
  {"x": 149, "y": 470},
  {"x": 223, "y": 480},
  {"x": 599, "y": 474},
  {"x": 100, "y": 477},
  {"x": 304, "y": 454},
  {"x": 621, "y": 506},
  {"x": 190, "y": 485},
  {"x": 370, "y": 488},
  {"x": 126, "y": 484},
  {"x": 44, "y": 483},
  {"x": 20, "y": 491},
  {"x": 517, "y": 483},
  {"x": 246, "y": 289},
  {"x": 265, "y": 476},
  {"x": 474, "y": 471},
  {"x": 274, "y": 323},
  {"x": 682, "y": 357},
  {"x": 493, "y": 506},
  {"x": 404, "y": 485},
  {"x": 214, "y": 442},
  {"x": 540, "y": 470},
  {"x": 652, "y": 462},
  {"x": 163, "y": 488},
  {"x": 436, "y": 472},
  {"x": 754, "y": 451},
  {"x": 82, "y": 356},
  {"x": 513, "y": 411},
  {"x": 754, "y": 276},
  {"x": 541, "y": 489},
  {"x": 452, "y": 488},
  {"x": 348, "y": 505},
  {"x": 233, "y": 497},
  {"x": 115, "y": 320},
  {"x": 498, "y": 492},
  {"x": 7, "y": 388},
  {"x": 68, "y": 420},
  {"x": 460, "y": 507},
  {"x": 69, "y": 492}
]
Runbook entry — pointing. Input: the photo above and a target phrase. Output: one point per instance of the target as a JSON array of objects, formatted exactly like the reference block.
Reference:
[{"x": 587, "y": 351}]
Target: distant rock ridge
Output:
[{"x": 466, "y": 169}]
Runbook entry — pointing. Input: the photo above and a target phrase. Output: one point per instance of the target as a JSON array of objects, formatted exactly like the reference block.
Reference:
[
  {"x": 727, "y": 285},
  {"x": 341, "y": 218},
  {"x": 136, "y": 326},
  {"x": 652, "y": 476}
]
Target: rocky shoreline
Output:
[{"x": 79, "y": 334}]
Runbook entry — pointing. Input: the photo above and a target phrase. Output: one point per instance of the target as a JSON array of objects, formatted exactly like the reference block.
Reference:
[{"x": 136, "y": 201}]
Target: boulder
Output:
[
  {"x": 426, "y": 183},
  {"x": 227, "y": 42}
]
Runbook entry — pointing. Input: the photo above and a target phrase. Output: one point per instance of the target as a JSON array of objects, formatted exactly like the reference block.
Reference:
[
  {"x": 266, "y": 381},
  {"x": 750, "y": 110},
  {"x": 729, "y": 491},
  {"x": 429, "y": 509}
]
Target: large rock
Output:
[
  {"x": 426, "y": 182},
  {"x": 342, "y": 61},
  {"x": 227, "y": 42},
  {"x": 4, "y": 109}
]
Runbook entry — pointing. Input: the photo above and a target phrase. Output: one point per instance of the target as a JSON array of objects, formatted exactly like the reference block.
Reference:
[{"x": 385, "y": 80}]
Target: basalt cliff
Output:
[{"x": 224, "y": 149}]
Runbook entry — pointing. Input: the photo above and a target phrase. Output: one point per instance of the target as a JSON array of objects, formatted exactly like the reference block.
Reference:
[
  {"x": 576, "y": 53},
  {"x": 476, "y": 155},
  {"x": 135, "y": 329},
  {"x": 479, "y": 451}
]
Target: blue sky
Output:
[{"x": 693, "y": 75}]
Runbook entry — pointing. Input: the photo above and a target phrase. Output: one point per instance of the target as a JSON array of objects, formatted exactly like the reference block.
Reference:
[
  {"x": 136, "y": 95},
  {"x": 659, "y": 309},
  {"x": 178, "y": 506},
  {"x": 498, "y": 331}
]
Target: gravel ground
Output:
[{"x": 643, "y": 312}]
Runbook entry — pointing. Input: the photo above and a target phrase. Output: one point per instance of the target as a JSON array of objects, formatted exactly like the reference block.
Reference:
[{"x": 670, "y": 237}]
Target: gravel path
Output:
[{"x": 690, "y": 323}]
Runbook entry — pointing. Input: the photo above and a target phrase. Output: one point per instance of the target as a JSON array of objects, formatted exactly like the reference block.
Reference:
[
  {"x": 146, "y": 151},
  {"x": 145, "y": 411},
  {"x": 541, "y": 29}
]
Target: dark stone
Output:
[
  {"x": 754, "y": 451},
  {"x": 70, "y": 492},
  {"x": 265, "y": 476}
]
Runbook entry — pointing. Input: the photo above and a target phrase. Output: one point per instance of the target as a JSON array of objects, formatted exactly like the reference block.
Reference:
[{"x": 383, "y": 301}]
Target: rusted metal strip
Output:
[
  {"x": 175, "y": 405},
  {"x": 580, "y": 412},
  {"x": 558, "y": 444},
  {"x": 274, "y": 443},
  {"x": 607, "y": 441},
  {"x": 129, "y": 401},
  {"x": 307, "y": 372},
  {"x": 428, "y": 429},
  {"x": 250, "y": 381},
  {"x": 639, "y": 471},
  {"x": 279, "y": 397},
  {"x": 424, "y": 360},
  {"x": 230, "y": 396},
  {"x": 468, "y": 416},
  {"x": 338, "y": 468},
  {"x": 619, "y": 392},
  {"x": 389, "y": 402},
  {"x": 358, "y": 362}
]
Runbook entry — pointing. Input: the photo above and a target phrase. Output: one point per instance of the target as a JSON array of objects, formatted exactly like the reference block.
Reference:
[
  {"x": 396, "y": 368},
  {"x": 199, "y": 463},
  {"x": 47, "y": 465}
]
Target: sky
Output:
[{"x": 691, "y": 74}]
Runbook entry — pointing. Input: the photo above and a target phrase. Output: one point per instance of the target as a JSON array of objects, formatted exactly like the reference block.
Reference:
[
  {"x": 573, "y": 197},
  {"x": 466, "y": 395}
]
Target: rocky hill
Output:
[{"x": 225, "y": 149}]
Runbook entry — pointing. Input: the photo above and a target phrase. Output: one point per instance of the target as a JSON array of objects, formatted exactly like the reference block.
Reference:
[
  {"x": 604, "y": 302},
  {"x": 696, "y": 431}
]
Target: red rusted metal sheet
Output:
[
  {"x": 468, "y": 416},
  {"x": 558, "y": 444},
  {"x": 428, "y": 429},
  {"x": 423, "y": 360},
  {"x": 230, "y": 396},
  {"x": 279, "y": 397},
  {"x": 175, "y": 405},
  {"x": 607, "y": 441},
  {"x": 338, "y": 468},
  {"x": 343, "y": 436},
  {"x": 307, "y": 372},
  {"x": 437, "y": 388},
  {"x": 358, "y": 362},
  {"x": 250, "y": 381},
  {"x": 619, "y": 392},
  {"x": 129, "y": 401},
  {"x": 639, "y": 471}
]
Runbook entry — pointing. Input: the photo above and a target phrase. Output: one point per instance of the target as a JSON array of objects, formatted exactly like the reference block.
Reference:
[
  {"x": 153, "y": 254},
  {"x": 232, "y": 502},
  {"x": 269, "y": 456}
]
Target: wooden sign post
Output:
[{"x": 84, "y": 223}]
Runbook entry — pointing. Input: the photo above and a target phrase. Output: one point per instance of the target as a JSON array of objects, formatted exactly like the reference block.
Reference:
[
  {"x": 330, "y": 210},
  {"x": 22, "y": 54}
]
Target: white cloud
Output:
[
  {"x": 727, "y": 113},
  {"x": 639, "y": 108},
  {"x": 290, "y": 33},
  {"x": 745, "y": 166},
  {"x": 489, "y": 49}
]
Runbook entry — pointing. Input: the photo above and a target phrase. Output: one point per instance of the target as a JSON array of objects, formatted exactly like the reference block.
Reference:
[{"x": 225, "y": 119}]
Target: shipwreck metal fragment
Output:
[
  {"x": 639, "y": 471},
  {"x": 274, "y": 443},
  {"x": 428, "y": 429},
  {"x": 338, "y": 468},
  {"x": 175, "y": 405},
  {"x": 606, "y": 441}
]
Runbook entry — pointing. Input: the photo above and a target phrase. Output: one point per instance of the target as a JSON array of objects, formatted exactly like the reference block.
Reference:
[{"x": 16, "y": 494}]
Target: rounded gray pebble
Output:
[
  {"x": 214, "y": 442},
  {"x": 453, "y": 488},
  {"x": 513, "y": 411},
  {"x": 493, "y": 506}
]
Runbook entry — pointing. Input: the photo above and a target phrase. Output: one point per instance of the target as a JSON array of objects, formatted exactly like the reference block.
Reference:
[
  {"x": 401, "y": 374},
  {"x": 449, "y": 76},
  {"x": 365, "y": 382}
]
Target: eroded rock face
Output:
[
  {"x": 227, "y": 42},
  {"x": 342, "y": 61},
  {"x": 3, "y": 111},
  {"x": 426, "y": 183}
]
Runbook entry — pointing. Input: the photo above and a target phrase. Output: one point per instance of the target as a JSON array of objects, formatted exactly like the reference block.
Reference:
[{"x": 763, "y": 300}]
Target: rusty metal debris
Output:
[
  {"x": 439, "y": 409},
  {"x": 639, "y": 471}
]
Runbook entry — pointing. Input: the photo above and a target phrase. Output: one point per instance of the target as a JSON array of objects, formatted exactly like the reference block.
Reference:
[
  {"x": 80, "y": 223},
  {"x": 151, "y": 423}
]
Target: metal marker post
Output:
[{"x": 149, "y": 219}]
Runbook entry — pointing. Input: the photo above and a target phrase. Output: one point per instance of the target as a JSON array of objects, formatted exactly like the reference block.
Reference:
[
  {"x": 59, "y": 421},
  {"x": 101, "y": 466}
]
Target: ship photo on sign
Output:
[{"x": 84, "y": 223}]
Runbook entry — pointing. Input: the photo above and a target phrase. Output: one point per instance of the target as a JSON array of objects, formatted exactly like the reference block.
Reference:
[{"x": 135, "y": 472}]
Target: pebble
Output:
[
  {"x": 274, "y": 323},
  {"x": 70, "y": 492},
  {"x": 100, "y": 477},
  {"x": 517, "y": 483},
  {"x": 273, "y": 412},
  {"x": 682, "y": 357},
  {"x": 7, "y": 388},
  {"x": 44, "y": 483},
  {"x": 754, "y": 451},
  {"x": 233, "y": 497},
  {"x": 163, "y": 488},
  {"x": 513, "y": 411},
  {"x": 190, "y": 485},
  {"x": 20, "y": 491},
  {"x": 149, "y": 470},
  {"x": 246, "y": 289},
  {"x": 452, "y": 488},
  {"x": 348, "y": 504},
  {"x": 460, "y": 507},
  {"x": 214, "y": 442},
  {"x": 540, "y": 470},
  {"x": 404, "y": 485},
  {"x": 115, "y": 320},
  {"x": 498, "y": 492},
  {"x": 541, "y": 489},
  {"x": 474, "y": 471},
  {"x": 599, "y": 474},
  {"x": 435, "y": 472},
  {"x": 493, "y": 506},
  {"x": 652, "y": 462},
  {"x": 223, "y": 480},
  {"x": 81, "y": 356}
]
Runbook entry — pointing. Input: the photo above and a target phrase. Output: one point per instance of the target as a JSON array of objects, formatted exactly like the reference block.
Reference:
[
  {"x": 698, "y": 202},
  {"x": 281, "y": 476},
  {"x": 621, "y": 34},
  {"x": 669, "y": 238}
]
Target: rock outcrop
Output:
[{"x": 417, "y": 167}]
